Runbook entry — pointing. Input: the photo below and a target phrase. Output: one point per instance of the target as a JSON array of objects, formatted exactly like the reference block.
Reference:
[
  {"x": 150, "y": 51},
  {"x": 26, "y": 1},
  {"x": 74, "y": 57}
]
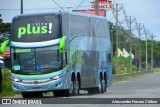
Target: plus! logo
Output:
[{"x": 35, "y": 28}]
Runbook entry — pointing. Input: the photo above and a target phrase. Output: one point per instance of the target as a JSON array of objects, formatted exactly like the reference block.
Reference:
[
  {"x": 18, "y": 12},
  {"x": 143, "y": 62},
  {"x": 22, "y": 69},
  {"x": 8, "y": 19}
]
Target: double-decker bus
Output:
[{"x": 62, "y": 52}]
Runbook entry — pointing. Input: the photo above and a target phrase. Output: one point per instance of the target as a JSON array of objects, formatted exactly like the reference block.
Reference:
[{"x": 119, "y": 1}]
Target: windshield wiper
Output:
[{"x": 47, "y": 69}]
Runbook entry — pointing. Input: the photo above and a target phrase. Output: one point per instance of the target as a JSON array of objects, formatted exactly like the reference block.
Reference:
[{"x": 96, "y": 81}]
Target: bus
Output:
[{"x": 61, "y": 52}]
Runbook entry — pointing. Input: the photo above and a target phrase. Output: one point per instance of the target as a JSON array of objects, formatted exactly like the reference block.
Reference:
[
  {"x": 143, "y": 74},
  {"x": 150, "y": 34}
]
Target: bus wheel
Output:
[
  {"x": 58, "y": 93},
  {"x": 25, "y": 95},
  {"x": 103, "y": 86},
  {"x": 75, "y": 88},
  {"x": 100, "y": 86},
  {"x": 32, "y": 94},
  {"x": 105, "y": 89},
  {"x": 69, "y": 92}
]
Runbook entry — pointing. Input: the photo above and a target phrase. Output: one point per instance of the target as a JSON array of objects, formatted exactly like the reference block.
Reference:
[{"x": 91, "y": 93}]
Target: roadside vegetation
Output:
[
  {"x": 155, "y": 70},
  {"x": 6, "y": 84}
]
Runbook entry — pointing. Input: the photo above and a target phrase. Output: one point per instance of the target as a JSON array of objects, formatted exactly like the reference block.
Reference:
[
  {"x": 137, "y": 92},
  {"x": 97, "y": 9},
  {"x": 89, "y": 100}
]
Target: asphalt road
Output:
[{"x": 147, "y": 86}]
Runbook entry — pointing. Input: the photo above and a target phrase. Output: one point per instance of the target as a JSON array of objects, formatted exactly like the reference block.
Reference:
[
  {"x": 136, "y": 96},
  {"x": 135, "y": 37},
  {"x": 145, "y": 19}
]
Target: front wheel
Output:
[
  {"x": 32, "y": 94},
  {"x": 69, "y": 92}
]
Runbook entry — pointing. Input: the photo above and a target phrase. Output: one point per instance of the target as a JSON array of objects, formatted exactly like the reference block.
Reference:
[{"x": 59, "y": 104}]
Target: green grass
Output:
[{"x": 155, "y": 70}]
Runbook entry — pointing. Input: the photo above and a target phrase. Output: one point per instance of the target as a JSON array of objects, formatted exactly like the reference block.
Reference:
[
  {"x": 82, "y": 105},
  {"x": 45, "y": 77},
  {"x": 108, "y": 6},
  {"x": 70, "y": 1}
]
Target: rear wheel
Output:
[
  {"x": 100, "y": 88},
  {"x": 105, "y": 86},
  {"x": 75, "y": 88}
]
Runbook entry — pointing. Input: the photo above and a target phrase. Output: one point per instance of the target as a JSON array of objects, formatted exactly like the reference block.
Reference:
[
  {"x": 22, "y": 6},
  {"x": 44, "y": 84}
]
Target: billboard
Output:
[{"x": 102, "y": 4}]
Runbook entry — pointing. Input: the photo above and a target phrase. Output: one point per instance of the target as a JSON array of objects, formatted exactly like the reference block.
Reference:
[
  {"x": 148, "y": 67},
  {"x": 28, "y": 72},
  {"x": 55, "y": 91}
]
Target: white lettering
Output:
[
  {"x": 137, "y": 102},
  {"x": 151, "y": 101}
]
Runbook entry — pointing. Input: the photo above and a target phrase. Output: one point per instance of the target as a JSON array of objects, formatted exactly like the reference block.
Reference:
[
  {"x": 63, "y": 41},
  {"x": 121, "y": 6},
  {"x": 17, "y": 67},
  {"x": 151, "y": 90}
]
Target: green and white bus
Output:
[{"x": 61, "y": 52}]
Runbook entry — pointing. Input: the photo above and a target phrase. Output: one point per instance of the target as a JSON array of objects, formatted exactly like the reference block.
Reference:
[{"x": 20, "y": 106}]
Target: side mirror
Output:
[
  {"x": 3, "y": 47},
  {"x": 62, "y": 44}
]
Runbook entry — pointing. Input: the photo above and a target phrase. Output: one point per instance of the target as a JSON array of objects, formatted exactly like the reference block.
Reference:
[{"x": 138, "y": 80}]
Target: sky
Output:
[{"x": 145, "y": 11}]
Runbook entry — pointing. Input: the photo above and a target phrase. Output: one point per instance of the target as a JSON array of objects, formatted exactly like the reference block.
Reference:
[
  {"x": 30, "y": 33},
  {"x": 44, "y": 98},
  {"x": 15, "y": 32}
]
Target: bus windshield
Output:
[{"x": 36, "y": 60}]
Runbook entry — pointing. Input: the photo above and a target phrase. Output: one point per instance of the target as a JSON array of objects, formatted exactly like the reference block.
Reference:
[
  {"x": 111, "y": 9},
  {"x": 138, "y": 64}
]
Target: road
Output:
[{"x": 147, "y": 86}]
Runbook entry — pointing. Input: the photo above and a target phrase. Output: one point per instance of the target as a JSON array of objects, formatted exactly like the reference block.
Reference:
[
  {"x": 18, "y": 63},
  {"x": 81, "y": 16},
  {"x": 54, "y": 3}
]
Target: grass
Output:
[{"x": 155, "y": 70}]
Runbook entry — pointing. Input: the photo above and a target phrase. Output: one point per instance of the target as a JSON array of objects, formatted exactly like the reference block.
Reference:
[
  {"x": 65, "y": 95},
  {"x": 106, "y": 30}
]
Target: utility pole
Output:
[
  {"x": 139, "y": 32},
  {"x": 146, "y": 53},
  {"x": 21, "y": 6},
  {"x": 146, "y": 50},
  {"x": 117, "y": 62},
  {"x": 152, "y": 66},
  {"x": 96, "y": 9},
  {"x": 130, "y": 27}
]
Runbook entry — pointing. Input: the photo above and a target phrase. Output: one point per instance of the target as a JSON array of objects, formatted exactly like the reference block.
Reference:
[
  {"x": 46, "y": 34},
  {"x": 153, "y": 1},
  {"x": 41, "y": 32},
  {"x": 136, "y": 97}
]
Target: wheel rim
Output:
[
  {"x": 100, "y": 86},
  {"x": 77, "y": 88},
  {"x": 71, "y": 89},
  {"x": 103, "y": 85}
]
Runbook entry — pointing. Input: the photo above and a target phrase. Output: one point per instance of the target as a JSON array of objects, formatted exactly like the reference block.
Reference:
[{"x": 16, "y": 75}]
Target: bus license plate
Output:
[{"x": 36, "y": 89}]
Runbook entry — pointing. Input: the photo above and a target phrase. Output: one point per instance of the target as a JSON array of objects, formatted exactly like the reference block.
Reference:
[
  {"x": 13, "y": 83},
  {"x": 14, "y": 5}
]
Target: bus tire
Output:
[
  {"x": 100, "y": 88},
  {"x": 32, "y": 94},
  {"x": 25, "y": 95},
  {"x": 69, "y": 92},
  {"x": 75, "y": 88},
  {"x": 58, "y": 93},
  {"x": 105, "y": 86},
  {"x": 62, "y": 93}
]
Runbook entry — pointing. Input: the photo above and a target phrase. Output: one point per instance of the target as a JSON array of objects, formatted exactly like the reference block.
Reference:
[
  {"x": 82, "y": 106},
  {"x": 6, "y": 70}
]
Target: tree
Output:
[
  {"x": 4, "y": 27},
  {"x": 1, "y": 19}
]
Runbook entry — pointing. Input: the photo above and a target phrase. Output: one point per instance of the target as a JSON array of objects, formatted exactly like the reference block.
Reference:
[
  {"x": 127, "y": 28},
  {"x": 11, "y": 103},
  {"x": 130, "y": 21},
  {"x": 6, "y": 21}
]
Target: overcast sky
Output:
[{"x": 145, "y": 11}]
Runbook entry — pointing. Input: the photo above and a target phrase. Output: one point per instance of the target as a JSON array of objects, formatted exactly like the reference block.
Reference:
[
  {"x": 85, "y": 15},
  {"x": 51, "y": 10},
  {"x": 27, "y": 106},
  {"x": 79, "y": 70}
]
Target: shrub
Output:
[{"x": 6, "y": 84}]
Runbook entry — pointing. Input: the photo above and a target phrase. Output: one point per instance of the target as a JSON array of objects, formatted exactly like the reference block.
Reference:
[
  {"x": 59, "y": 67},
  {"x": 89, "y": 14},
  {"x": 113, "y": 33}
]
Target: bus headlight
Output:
[
  {"x": 16, "y": 79},
  {"x": 56, "y": 77}
]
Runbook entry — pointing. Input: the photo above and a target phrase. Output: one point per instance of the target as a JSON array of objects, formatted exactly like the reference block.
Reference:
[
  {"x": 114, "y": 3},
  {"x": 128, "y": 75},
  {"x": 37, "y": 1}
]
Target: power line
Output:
[
  {"x": 58, "y": 5},
  {"x": 35, "y": 9},
  {"x": 80, "y": 4},
  {"x": 26, "y": 9}
]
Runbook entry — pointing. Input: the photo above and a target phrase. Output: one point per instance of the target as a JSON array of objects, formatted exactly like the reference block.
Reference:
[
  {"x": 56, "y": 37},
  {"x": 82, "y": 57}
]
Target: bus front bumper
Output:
[{"x": 35, "y": 85}]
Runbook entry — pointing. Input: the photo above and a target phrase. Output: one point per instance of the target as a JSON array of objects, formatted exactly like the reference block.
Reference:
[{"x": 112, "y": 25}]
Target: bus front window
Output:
[
  {"x": 48, "y": 57},
  {"x": 36, "y": 60}
]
